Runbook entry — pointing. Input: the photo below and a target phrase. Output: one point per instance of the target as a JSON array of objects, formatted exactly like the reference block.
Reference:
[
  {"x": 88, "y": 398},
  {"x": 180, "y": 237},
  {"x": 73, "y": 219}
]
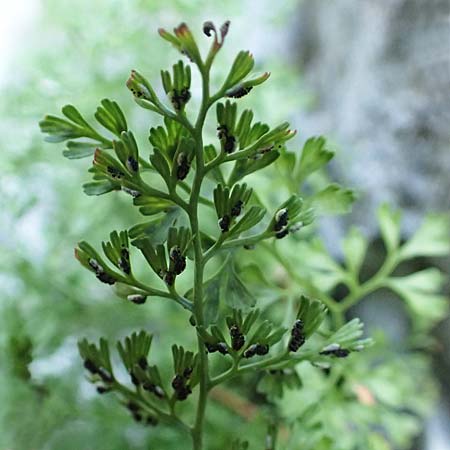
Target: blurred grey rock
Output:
[{"x": 380, "y": 71}]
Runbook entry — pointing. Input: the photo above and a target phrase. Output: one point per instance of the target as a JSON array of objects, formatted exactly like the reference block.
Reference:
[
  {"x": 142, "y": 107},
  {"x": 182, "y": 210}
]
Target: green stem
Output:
[
  {"x": 239, "y": 242},
  {"x": 376, "y": 282},
  {"x": 238, "y": 370},
  {"x": 213, "y": 250},
  {"x": 271, "y": 362},
  {"x": 184, "y": 186},
  {"x": 357, "y": 291},
  {"x": 197, "y": 429},
  {"x": 173, "y": 295},
  {"x": 249, "y": 240}
]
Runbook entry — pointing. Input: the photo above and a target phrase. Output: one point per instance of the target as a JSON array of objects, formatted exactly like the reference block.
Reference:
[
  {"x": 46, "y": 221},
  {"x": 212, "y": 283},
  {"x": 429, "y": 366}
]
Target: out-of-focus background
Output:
[{"x": 374, "y": 77}]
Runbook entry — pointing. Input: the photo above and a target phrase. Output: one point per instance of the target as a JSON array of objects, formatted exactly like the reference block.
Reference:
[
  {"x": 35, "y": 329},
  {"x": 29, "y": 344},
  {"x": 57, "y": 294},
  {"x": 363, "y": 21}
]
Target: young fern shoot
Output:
[{"x": 221, "y": 310}]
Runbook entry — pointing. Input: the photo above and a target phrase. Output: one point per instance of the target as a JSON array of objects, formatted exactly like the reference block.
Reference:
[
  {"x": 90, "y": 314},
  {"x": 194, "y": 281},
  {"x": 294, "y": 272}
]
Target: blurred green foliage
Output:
[{"x": 85, "y": 53}]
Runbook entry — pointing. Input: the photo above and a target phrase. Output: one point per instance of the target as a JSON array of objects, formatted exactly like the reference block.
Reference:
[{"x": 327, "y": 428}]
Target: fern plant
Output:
[{"x": 203, "y": 217}]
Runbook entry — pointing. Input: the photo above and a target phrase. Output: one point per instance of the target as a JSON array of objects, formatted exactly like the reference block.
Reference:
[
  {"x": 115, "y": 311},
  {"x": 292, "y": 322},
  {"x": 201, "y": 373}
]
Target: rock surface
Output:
[{"x": 380, "y": 72}]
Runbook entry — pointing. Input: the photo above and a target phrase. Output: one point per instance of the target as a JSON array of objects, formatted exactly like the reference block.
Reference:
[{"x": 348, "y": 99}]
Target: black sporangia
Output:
[
  {"x": 105, "y": 376},
  {"x": 132, "y": 164},
  {"x": 105, "y": 278},
  {"x": 281, "y": 219},
  {"x": 142, "y": 362},
  {"x": 230, "y": 144},
  {"x": 281, "y": 222},
  {"x": 281, "y": 234},
  {"x": 178, "y": 260},
  {"x": 136, "y": 93},
  {"x": 210, "y": 348},
  {"x": 169, "y": 278},
  {"x": 222, "y": 131},
  {"x": 180, "y": 386},
  {"x": 297, "y": 336},
  {"x": 100, "y": 273},
  {"x": 137, "y": 299},
  {"x": 89, "y": 365},
  {"x": 134, "y": 379},
  {"x": 95, "y": 370},
  {"x": 180, "y": 98},
  {"x": 335, "y": 350},
  {"x": 183, "y": 166},
  {"x": 239, "y": 91},
  {"x": 237, "y": 338},
  {"x": 224, "y": 223},
  {"x": 262, "y": 349},
  {"x": 256, "y": 349},
  {"x": 157, "y": 390},
  {"x": 124, "y": 261},
  {"x": 220, "y": 347},
  {"x": 237, "y": 208},
  {"x": 178, "y": 381},
  {"x": 183, "y": 393},
  {"x": 135, "y": 411},
  {"x": 228, "y": 141},
  {"x": 103, "y": 389},
  {"x": 251, "y": 351},
  {"x": 115, "y": 173}
]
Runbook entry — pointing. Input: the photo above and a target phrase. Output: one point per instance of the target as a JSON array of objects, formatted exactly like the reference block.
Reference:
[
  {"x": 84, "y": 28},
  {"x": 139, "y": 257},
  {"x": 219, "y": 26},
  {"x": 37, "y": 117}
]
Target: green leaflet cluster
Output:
[
  {"x": 151, "y": 393},
  {"x": 242, "y": 344},
  {"x": 229, "y": 206},
  {"x": 167, "y": 264},
  {"x": 304, "y": 173},
  {"x": 116, "y": 250},
  {"x": 320, "y": 272},
  {"x": 185, "y": 365},
  {"x": 173, "y": 151},
  {"x": 177, "y": 86},
  {"x": 244, "y": 336}
]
